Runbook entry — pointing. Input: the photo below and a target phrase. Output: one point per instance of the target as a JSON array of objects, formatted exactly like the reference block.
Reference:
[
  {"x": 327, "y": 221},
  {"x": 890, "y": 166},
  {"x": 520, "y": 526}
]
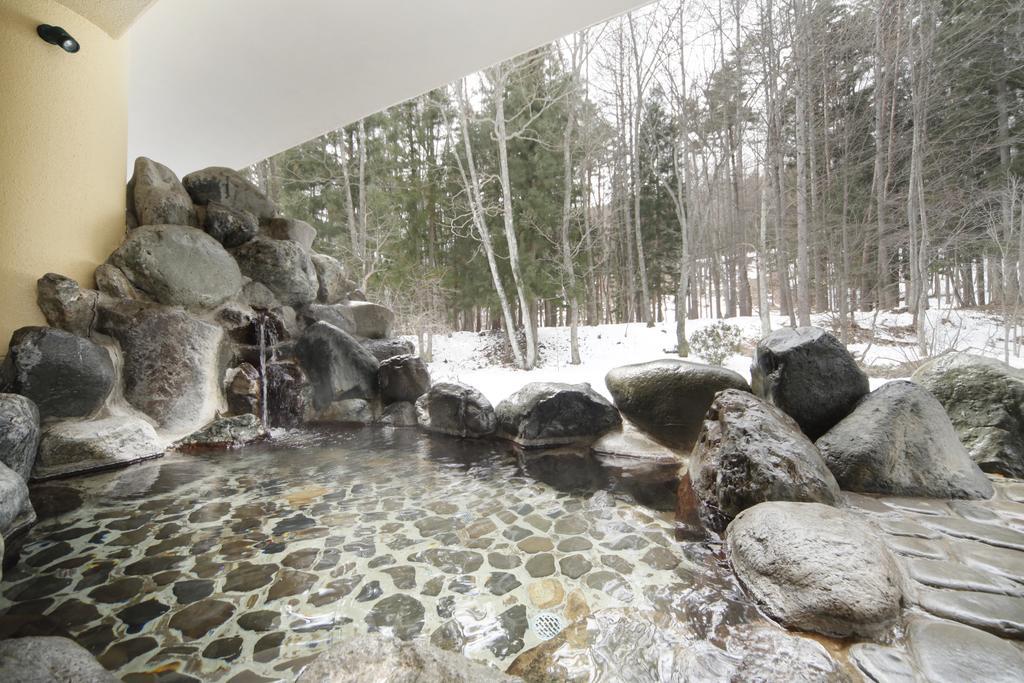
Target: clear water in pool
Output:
[{"x": 245, "y": 564}]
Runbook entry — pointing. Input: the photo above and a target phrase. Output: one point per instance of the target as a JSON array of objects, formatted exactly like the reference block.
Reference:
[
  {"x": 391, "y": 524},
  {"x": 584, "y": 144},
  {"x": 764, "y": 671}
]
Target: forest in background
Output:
[{"x": 740, "y": 156}]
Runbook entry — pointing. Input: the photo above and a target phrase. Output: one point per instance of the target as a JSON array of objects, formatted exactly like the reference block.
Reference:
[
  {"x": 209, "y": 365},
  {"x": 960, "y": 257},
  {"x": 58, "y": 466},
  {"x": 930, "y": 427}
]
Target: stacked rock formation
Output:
[{"x": 214, "y": 320}]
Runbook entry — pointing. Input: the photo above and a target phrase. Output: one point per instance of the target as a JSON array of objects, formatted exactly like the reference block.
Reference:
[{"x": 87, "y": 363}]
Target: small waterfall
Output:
[{"x": 267, "y": 334}]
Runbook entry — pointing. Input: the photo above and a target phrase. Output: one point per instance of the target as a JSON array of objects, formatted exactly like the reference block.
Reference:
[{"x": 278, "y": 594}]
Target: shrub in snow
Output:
[{"x": 716, "y": 342}]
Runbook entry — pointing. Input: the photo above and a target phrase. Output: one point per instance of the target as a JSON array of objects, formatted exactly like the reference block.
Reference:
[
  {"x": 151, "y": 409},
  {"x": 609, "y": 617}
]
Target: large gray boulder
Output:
[
  {"x": 668, "y": 398},
  {"x": 75, "y": 446},
  {"x": 334, "y": 287},
  {"x": 403, "y": 378},
  {"x": 230, "y": 227},
  {"x": 178, "y": 266},
  {"x": 374, "y": 657},
  {"x": 382, "y": 349},
  {"x": 66, "y": 305},
  {"x": 337, "y": 365},
  {"x": 335, "y": 314},
  {"x": 257, "y": 295},
  {"x": 65, "y": 375},
  {"x": 300, "y": 232},
  {"x": 230, "y": 188},
  {"x": 158, "y": 196},
  {"x": 750, "y": 452},
  {"x": 49, "y": 659},
  {"x": 172, "y": 362},
  {"x": 13, "y": 497},
  {"x": 900, "y": 441},
  {"x": 19, "y": 433},
  {"x": 283, "y": 266},
  {"x": 810, "y": 375},
  {"x": 372, "y": 321},
  {"x": 816, "y": 568},
  {"x": 984, "y": 398},
  {"x": 457, "y": 410},
  {"x": 552, "y": 414}
]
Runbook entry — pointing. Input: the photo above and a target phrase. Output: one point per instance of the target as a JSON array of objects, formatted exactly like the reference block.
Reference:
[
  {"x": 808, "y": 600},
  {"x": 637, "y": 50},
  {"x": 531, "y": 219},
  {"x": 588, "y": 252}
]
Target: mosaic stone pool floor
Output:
[{"x": 244, "y": 565}]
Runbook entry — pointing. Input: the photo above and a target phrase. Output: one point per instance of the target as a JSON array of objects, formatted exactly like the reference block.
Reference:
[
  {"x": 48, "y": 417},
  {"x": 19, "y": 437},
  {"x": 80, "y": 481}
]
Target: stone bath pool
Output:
[{"x": 244, "y": 565}]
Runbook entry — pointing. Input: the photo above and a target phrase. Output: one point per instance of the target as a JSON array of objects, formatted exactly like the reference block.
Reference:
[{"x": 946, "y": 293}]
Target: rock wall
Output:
[{"x": 214, "y": 306}]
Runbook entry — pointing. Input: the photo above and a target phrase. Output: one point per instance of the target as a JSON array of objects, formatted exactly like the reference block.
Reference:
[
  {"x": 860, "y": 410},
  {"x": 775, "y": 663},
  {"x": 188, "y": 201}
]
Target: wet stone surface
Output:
[{"x": 242, "y": 567}]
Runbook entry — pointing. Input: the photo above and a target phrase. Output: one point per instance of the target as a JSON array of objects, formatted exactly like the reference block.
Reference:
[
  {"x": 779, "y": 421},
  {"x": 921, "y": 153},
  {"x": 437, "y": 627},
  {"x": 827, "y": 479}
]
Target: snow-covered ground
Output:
[{"x": 890, "y": 352}]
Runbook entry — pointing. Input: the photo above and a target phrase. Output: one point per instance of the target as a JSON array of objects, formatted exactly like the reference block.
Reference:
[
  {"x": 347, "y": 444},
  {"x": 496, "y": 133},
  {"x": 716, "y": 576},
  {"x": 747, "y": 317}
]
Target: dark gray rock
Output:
[
  {"x": 178, "y": 266},
  {"x": 19, "y": 433},
  {"x": 242, "y": 390},
  {"x": 239, "y": 321},
  {"x": 228, "y": 187},
  {"x": 49, "y": 659},
  {"x": 297, "y": 231},
  {"x": 456, "y": 409},
  {"x": 171, "y": 362},
  {"x": 77, "y": 446},
  {"x": 283, "y": 266},
  {"x": 815, "y": 568},
  {"x": 335, "y": 314},
  {"x": 65, "y": 375},
  {"x": 66, "y": 305},
  {"x": 382, "y": 349},
  {"x": 668, "y": 398},
  {"x": 374, "y": 657},
  {"x": 230, "y": 227},
  {"x": 372, "y": 321},
  {"x": 288, "y": 394},
  {"x": 158, "y": 197},
  {"x": 337, "y": 365},
  {"x": 401, "y": 414},
  {"x": 951, "y": 653},
  {"x": 552, "y": 413},
  {"x": 750, "y": 452},
  {"x": 810, "y": 375},
  {"x": 403, "y": 378},
  {"x": 334, "y": 287},
  {"x": 13, "y": 497},
  {"x": 112, "y": 281},
  {"x": 900, "y": 441},
  {"x": 984, "y": 398},
  {"x": 225, "y": 432}
]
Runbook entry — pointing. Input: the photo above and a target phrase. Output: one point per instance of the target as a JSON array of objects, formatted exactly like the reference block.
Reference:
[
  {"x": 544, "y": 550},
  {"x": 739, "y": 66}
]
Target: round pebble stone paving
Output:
[{"x": 244, "y": 565}]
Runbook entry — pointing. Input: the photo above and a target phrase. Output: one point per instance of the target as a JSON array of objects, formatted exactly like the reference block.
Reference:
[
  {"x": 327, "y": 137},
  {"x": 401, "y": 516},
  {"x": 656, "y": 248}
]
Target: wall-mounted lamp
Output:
[{"x": 55, "y": 35}]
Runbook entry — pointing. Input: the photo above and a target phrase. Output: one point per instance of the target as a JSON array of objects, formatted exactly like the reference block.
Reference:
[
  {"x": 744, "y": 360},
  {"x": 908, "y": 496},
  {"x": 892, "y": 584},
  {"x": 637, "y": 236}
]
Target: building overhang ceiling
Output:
[
  {"x": 114, "y": 17},
  {"x": 230, "y": 82}
]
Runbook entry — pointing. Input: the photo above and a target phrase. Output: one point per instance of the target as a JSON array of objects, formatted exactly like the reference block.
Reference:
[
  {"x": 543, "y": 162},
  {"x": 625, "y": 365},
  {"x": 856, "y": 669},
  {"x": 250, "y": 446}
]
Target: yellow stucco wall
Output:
[{"x": 63, "y": 146}]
